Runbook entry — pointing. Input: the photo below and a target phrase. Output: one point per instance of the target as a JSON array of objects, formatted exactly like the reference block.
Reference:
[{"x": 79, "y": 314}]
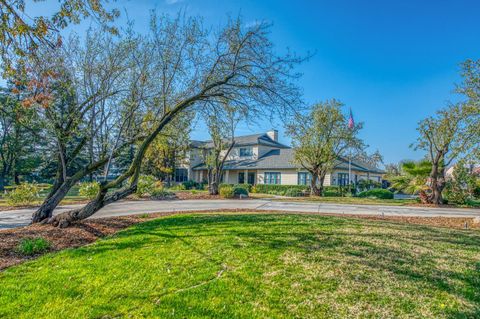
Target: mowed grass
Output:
[
  {"x": 353, "y": 200},
  {"x": 235, "y": 265}
]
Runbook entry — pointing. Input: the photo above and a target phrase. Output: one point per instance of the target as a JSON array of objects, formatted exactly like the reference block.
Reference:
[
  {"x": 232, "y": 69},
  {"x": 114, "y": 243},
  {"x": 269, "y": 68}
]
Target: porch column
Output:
[
  {"x": 245, "y": 180},
  {"x": 201, "y": 176},
  {"x": 226, "y": 180}
]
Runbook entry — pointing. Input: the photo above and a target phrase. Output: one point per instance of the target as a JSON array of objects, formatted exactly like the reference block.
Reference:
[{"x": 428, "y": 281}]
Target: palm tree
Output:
[{"x": 413, "y": 179}]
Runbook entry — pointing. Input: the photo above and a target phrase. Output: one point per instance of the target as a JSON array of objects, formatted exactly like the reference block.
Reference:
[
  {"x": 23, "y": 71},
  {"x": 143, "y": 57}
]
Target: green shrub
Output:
[
  {"x": 178, "y": 187},
  {"x": 366, "y": 184},
  {"x": 160, "y": 193},
  {"x": 88, "y": 189},
  {"x": 331, "y": 191},
  {"x": 237, "y": 191},
  {"x": 377, "y": 193},
  {"x": 23, "y": 194},
  {"x": 294, "y": 192},
  {"x": 147, "y": 185},
  {"x": 476, "y": 190},
  {"x": 247, "y": 187},
  {"x": 33, "y": 246},
  {"x": 277, "y": 189},
  {"x": 227, "y": 191},
  {"x": 193, "y": 185}
]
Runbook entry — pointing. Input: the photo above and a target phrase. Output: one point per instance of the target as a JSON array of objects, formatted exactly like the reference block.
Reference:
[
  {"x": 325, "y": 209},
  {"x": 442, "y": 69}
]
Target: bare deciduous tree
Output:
[
  {"x": 221, "y": 123},
  {"x": 190, "y": 66},
  {"x": 90, "y": 101}
]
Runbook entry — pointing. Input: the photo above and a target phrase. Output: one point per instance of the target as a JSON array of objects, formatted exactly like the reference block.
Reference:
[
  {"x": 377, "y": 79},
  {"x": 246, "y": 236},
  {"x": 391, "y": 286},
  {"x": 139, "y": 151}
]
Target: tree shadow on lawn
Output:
[{"x": 369, "y": 245}]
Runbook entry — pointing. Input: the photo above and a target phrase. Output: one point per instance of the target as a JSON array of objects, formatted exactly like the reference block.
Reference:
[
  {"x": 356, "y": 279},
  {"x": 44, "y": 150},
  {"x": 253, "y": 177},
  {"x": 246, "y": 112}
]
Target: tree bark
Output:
[
  {"x": 321, "y": 180},
  {"x": 213, "y": 188},
  {"x": 66, "y": 219},
  {"x": 45, "y": 211},
  {"x": 437, "y": 181},
  {"x": 314, "y": 190}
]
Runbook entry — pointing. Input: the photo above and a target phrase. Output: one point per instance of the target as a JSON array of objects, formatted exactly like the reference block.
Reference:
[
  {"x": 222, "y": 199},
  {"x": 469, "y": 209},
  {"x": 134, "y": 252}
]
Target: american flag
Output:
[{"x": 351, "y": 122}]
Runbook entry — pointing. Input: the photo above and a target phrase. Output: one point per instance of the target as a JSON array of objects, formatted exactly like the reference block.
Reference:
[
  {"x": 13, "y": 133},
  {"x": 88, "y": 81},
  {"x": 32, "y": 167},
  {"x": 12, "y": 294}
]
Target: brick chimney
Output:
[{"x": 273, "y": 134}]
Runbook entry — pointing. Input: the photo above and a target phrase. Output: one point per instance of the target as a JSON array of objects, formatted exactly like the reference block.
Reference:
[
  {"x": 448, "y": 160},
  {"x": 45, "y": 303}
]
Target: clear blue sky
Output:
[{"x": 392, "y": 62}]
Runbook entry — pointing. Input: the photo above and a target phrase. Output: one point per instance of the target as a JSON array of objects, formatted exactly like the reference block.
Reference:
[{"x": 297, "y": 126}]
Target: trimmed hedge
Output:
[
  {"x": 246, "y": 187},
  {"x": 377, "y": 193},
  {"x": 278, "y": 189},
  {"x": 331, "y": 191},
  {"x": 293, "y": 192}
]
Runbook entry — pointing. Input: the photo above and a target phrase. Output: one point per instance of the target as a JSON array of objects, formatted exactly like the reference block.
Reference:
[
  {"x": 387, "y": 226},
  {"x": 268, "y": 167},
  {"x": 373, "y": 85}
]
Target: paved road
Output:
[{"x": 21, "y": 217}]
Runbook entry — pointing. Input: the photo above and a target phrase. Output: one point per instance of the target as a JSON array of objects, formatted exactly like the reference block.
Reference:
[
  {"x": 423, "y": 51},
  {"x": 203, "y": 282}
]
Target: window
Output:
[
  {"x": 272, "y": 178},
  {"x": 343, "y": 179},
  {"x": 246, "y": 151},
  {"x": 181, "y": 175},
  {"x": 304, "y": 178}
]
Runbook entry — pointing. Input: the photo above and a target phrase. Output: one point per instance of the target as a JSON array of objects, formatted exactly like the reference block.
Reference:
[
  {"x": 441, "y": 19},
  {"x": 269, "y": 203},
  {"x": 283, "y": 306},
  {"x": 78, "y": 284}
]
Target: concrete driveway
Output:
[{"x": 21, "y": 217}]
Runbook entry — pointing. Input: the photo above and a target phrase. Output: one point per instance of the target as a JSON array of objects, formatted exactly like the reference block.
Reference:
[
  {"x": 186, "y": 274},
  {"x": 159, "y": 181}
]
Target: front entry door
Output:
[
  {"x": 251, "y": 178},
  {"x": 241, "y": 178}
]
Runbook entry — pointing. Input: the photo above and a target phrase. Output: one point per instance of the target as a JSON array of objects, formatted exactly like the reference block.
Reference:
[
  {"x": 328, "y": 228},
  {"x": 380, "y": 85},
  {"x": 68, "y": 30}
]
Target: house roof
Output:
[
  {"x": 246, "y": 140},
  {"x": 282, "y": 158}
]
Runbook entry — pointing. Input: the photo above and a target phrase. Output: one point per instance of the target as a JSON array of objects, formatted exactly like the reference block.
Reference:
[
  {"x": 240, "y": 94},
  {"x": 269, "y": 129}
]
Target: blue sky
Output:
[{"x": 392, "y": 62}]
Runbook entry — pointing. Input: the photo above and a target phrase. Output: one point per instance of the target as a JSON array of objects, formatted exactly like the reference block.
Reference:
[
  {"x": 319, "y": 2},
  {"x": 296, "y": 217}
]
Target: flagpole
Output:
[
  {"x": 351, "y": 125},
  {"x": 350, "y": 168}
]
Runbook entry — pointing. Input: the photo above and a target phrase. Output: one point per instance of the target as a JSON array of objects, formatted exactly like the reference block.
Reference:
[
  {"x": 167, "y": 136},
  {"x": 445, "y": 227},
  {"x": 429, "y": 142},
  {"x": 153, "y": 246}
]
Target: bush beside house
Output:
[
  {"x": 280, "y": 190},
  {"x": 379, "y": 193},
  {"x": 234, "y": 190}
]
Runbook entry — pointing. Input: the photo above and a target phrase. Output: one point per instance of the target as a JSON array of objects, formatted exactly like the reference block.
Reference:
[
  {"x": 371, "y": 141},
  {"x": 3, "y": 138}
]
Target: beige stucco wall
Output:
[
  {"x": 360, "y": 175},
  {"x": 288, "y": 176}
]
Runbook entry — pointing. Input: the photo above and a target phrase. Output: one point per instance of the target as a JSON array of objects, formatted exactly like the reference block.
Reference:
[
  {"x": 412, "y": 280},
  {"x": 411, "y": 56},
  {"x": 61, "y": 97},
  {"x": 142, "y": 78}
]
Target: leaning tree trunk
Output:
[
  {"x": 45, "y": 211},
  {"x": 67, "y": 218}
]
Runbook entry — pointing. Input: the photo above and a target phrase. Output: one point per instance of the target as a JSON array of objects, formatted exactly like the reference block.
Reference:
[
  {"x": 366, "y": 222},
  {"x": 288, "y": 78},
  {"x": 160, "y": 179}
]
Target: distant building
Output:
[{"x": 472, "y": 168}]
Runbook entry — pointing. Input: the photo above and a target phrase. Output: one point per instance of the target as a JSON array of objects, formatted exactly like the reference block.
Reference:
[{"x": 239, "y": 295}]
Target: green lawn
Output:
[
  {"x": 357, "y": 200},
  {"x": 342, "y": 200},
  {"x": 254, "y": 266}
]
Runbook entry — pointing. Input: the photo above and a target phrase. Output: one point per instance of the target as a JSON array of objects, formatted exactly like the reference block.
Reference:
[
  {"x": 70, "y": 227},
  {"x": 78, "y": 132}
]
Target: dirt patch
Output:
[{"x": 88, "y": 231}]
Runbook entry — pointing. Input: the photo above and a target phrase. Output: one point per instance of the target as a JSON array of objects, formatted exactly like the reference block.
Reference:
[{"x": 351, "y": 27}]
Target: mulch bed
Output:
[
  {"x": 202, "y": 195},
  {"x": 88, "y": 231}
]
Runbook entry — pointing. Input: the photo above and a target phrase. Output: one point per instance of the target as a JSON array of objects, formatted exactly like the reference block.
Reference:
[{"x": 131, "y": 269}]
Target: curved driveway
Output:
[{"x": 21, "y": 217}]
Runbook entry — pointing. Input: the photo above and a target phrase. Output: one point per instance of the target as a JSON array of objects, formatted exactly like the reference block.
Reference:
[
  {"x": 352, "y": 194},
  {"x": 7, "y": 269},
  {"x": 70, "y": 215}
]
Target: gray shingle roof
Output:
[
  {"x": 245, "y": 140},
  {"x": 282, "y": 158}
]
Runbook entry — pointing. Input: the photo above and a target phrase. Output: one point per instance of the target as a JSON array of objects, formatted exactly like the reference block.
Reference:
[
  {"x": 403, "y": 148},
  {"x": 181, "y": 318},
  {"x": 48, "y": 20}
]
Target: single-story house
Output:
[{"x": 261, "y": 159}]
